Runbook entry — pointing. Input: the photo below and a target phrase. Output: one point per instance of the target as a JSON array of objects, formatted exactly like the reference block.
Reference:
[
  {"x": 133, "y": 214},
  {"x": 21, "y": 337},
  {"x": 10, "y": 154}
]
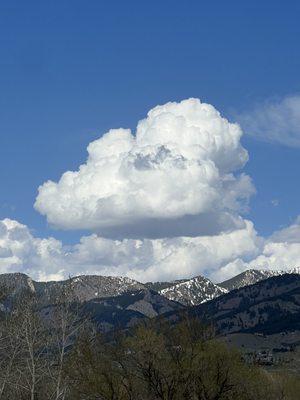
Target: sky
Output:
[{"x": 71, "y": 71}]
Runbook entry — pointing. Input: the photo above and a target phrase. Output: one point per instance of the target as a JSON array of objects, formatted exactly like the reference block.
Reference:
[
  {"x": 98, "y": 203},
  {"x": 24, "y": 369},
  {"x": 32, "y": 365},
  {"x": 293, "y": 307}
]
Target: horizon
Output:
[{"x": 178, "y": 281}]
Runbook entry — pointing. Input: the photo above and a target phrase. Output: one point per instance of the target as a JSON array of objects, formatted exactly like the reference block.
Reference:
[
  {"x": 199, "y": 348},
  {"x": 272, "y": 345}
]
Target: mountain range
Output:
[
  {"x": 188, "y": 292},
  {"x": 249, "y": 301},
  {"x": 198, "y": 290},
  {"x": 257, "y": 311},
  {"x": 269, "y": 306}
]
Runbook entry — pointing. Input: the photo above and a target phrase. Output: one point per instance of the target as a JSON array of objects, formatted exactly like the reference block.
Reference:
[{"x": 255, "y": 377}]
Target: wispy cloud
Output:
[
  {"x": 276, "y": 121},
  {"x": 275, "y": 202}
]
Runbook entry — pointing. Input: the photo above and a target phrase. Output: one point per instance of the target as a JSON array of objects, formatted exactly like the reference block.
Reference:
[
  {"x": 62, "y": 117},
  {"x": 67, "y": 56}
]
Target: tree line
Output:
[{"x": 54, "y": 353}]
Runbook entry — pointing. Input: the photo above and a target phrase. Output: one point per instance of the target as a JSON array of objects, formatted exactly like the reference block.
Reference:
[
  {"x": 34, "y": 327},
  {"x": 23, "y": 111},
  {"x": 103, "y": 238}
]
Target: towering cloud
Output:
[{"x": 174, "y": 177}]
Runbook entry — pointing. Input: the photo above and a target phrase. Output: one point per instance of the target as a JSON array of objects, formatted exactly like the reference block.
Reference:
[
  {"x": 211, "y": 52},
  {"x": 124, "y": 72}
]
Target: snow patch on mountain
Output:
[
  {"x": 193, "y": 292},
  {"x": 252, "y": 276}
]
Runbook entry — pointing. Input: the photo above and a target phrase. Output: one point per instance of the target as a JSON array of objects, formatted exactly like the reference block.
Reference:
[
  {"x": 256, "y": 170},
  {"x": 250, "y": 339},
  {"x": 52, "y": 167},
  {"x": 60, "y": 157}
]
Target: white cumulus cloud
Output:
[
  {"x": 176, "y": 176},
  {"x": 218, "y": 257},
  {"x": 279, "y": 252},
  {"x": 164, "y": 259},
  {"x": 162, "y": 203},
  {"x": 144, "y": 260},
  {"x": 291, "y": 234},
  {"x": 20, "y": 251}
]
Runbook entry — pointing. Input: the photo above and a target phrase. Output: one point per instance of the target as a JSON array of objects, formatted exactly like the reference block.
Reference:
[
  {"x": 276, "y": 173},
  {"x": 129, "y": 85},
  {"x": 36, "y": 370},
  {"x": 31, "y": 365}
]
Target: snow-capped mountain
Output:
[
  {"x": 270, "y": 306},
  {"x": 189, "y": 292},
  {"x": 160, "y": 285},
  {"x": 252, "y": 276},
  {"x": 193, "y": 292}
]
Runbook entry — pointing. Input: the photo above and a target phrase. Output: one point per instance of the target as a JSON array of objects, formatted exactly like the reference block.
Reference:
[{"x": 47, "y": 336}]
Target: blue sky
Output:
[{"x": 70, "y": 70}]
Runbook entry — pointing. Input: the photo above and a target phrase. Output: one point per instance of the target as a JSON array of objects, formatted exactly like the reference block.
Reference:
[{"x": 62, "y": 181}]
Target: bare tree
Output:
[{"x": 65, "y": 323}]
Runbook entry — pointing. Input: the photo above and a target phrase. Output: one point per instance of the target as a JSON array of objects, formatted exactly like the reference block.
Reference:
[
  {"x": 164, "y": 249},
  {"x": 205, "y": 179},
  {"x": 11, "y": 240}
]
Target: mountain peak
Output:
[
  {"x": 193, "y": 291},
  {"x": 251, "y": 276}
]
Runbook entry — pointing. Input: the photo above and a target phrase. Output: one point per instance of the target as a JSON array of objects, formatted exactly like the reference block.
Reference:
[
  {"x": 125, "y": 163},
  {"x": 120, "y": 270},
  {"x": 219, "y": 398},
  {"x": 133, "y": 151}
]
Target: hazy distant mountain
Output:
[
  {"x": 252, "y": 276},
  {"x": 193, "y": 291}
]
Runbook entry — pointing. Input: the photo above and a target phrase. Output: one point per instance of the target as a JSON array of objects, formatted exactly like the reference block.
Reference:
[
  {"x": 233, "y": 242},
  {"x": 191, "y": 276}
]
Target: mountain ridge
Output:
[
  {"x": 193, "y": 291},
  {"x": 189, "y": 292},
  {"x": 251, "y": 276},
  {"x": 268, "y": 306}
]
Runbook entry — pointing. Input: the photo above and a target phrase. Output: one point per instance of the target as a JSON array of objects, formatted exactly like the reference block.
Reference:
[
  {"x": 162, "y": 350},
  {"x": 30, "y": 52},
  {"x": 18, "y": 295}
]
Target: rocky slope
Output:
[
  {"x": 81, "y": 288},
  {"x": 194, "y": 291},
  {"x": 124, "y": 311},
  {"x": 252, "y": 276},
  {"x": 15, "y": 283},
  {"x": 160, "y": 285}
]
